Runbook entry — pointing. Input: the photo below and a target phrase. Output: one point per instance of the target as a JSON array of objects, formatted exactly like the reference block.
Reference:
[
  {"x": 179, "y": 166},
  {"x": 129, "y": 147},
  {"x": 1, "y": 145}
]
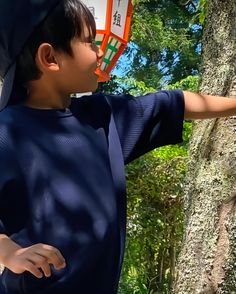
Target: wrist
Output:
[{"x": 7, "y": 249}]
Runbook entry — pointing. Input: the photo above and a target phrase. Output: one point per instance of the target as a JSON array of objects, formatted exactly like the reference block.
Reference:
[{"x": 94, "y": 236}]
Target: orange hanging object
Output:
[{"x": 113, "y": 21}]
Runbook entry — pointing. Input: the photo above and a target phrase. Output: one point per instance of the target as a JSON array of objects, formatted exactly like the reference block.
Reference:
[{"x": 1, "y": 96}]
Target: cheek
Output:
[
  {"x": 87, "y": 59},
  {"x": 87, "y": 65}
]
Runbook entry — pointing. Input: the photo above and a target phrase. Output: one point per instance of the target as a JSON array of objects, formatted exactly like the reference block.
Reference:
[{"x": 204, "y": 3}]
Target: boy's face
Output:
[{"x": 79, "y": 70}]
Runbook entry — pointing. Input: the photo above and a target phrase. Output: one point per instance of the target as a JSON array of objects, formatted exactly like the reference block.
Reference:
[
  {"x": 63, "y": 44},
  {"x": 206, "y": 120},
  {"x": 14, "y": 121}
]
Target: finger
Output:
[
  {"x": 57, "y": 253},
  {"x": 30, "y": 267},
  {"x": 53, "y": 256},
  {"x": 58, "y": 260},
  {"x": 42, "y": 263}
]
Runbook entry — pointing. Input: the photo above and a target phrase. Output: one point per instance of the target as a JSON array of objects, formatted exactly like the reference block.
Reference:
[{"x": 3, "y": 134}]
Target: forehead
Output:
[
  {"x": 87, "y": 32},
  {"x": 87, "y": 22}
]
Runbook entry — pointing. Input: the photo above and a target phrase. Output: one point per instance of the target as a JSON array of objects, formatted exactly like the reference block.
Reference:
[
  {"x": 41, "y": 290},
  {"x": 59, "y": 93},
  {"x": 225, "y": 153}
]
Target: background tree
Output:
[
  {"x": 168, "y": 35},
  {"x": 208, "y": 257},
  {"x": 165, "y": 45}
]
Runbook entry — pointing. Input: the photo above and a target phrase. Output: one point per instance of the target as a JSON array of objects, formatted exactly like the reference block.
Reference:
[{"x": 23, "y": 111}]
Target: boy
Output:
[{"x": 62, "y": 183}]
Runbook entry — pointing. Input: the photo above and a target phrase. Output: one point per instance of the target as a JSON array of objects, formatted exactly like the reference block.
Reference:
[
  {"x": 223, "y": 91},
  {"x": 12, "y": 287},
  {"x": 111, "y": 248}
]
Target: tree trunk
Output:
[{"x": 207, "y": 263}]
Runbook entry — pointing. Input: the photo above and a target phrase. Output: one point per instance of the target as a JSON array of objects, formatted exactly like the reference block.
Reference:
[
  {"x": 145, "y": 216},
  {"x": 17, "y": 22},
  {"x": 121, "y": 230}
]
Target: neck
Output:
[
  {"x": 42, "y": 95},
  {"x": 47, "y": 100},
  {"x": 46, "y": 104}
]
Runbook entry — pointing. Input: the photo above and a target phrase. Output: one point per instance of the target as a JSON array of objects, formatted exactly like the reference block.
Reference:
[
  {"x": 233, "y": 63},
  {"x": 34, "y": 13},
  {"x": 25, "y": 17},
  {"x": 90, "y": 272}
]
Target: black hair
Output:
[{"x": 65, "y": 22}]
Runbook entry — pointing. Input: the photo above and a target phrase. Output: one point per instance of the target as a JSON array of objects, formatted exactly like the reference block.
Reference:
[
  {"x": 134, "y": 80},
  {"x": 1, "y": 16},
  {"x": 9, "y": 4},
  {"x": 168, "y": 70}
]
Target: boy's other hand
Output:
[{"x": 35, "y": 259}]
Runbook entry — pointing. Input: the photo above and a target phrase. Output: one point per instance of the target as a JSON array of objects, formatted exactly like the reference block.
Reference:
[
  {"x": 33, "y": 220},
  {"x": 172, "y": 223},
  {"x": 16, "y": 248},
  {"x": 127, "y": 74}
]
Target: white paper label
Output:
[
  {"x": 99, "y": 11},
  {"x": 118, "y": 18}
]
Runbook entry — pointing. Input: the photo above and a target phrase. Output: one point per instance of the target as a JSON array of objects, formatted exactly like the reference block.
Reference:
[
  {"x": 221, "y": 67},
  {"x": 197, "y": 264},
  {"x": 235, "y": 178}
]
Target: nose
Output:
[{"x": 100, "y": 54}]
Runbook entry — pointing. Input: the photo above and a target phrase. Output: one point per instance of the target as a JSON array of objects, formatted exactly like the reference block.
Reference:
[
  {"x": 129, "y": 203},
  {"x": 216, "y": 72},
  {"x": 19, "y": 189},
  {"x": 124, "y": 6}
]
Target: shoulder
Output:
[
  {"x": 158, "y": 102},
  {"x": 8, "y": 126},
  {"x": 7, "y": 115},
  {"x": 93, "y": 109},
  {"x": 100, "y": 100},
  {"x": 127, "y": 103},
  {"x": 7, "y": 120},
  {"x": 162, "y": 99}
]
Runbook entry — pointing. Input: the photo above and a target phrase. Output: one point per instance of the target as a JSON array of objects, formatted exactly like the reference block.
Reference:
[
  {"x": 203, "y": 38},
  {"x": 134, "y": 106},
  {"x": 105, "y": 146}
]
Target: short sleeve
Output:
[{"x": 147, "y": 122}]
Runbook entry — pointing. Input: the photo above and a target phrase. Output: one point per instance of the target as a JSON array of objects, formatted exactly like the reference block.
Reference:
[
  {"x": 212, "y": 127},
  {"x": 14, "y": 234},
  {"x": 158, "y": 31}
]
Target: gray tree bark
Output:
[{"x": 207, "y": 263}]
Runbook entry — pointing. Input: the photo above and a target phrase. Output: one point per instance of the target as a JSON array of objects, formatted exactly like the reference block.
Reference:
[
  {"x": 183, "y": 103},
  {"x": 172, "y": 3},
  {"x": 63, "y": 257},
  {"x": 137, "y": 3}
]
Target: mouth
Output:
[{"x": 97, "y": 72}]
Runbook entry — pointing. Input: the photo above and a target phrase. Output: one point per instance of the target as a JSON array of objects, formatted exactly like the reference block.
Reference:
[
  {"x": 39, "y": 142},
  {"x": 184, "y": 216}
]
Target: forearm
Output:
[
  {"x": 202, "y": 106},
  {"x": 7, "y": 247}
]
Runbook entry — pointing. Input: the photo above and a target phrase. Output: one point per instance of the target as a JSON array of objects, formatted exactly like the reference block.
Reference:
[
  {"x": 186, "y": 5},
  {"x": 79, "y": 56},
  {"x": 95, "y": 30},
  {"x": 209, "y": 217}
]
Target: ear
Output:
[{"x": 47, "y": 59}]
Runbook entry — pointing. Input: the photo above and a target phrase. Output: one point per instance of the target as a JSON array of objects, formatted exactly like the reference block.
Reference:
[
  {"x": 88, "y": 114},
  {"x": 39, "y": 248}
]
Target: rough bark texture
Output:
[{"x": 207, "y": 263}]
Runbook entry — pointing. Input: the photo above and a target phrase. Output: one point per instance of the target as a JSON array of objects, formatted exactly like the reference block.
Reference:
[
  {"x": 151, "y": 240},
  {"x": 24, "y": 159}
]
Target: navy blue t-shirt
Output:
[{"x": 62, "y": 182}]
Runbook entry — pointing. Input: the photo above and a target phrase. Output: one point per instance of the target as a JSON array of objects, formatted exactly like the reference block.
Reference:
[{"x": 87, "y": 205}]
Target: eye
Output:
[
  {"x": 93, "y": 42},
  {"x": 94, "y": 45}
]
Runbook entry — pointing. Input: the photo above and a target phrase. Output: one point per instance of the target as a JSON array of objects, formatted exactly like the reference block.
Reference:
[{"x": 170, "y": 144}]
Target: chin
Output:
[
  {"x": 92, "y": 88},
  {"x": 95, "y": 88}
]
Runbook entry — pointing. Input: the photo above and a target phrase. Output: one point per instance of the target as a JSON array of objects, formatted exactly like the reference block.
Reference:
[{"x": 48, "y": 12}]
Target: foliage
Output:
[
  {"x": 191, "y": 83},
  {"x": 155, "y": 222},
  {"x": 155, "y": 212},
  {"x": 165, "y": 44},
  {"x": 202, "y": 11},
  {"x": 167, "y": 35},
  {"x": 129, "y": 85},
  {"x": 124, "y": 85}
]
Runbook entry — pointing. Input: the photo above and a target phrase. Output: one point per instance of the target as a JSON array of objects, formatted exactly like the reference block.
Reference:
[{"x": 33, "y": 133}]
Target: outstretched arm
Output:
[{"x": 202, "y": 106}]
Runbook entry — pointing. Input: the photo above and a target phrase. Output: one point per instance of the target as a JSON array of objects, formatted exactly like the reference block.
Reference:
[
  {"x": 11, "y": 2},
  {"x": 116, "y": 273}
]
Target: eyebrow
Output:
[{"x": 88, "y": 36}]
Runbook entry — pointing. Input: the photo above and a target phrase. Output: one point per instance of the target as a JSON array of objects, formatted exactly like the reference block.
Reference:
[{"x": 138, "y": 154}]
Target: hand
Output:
[{"x": 35, "y": 259}]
